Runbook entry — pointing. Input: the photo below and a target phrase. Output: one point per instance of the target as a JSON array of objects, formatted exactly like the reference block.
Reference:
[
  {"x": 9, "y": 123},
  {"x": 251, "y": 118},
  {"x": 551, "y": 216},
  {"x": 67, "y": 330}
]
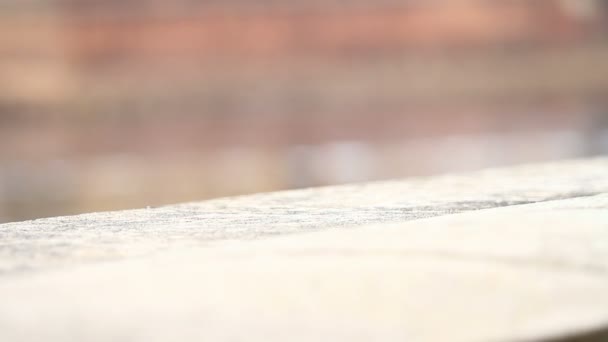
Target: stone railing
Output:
[{"x": 513, "y": 254}]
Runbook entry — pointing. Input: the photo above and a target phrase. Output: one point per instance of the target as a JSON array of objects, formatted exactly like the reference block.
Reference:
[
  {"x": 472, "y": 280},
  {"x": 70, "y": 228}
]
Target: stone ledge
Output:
[{"x": 507, "y": 254}]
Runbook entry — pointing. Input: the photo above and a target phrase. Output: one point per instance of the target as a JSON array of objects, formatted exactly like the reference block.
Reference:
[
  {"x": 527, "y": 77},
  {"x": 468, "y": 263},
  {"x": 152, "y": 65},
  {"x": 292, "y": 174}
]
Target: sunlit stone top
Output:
[{"x": 508, "y": 254}]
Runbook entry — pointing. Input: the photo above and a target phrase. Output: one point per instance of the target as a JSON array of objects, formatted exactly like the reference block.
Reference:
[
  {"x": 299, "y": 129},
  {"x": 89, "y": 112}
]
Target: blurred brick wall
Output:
[
  {"x": 244, "y": 31},
  {"x": 111, "y": 104}
]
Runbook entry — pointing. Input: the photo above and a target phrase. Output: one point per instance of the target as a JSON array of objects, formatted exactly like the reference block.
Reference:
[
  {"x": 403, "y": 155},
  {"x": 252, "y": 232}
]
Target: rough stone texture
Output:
[
  {"x": 513, "y": 270},
  {"x": 64, "y": 241}
]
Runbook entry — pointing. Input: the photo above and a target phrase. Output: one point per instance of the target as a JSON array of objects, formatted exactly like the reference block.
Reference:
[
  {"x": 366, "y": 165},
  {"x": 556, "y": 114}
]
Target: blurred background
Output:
[{"x": 115, "y": 104}]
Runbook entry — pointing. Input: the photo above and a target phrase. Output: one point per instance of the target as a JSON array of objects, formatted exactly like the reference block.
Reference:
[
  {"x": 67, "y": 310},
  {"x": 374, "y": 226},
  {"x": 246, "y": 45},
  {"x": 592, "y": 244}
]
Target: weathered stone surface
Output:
[
  {"x": 514, "y": 270},
  {"x": 64, "y": 241}
]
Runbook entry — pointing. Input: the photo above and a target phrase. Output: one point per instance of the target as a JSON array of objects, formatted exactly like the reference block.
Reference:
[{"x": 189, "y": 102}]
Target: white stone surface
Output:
[
  {"x": 67, "y": 241},
  {"x": 518, "y": 271}
]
